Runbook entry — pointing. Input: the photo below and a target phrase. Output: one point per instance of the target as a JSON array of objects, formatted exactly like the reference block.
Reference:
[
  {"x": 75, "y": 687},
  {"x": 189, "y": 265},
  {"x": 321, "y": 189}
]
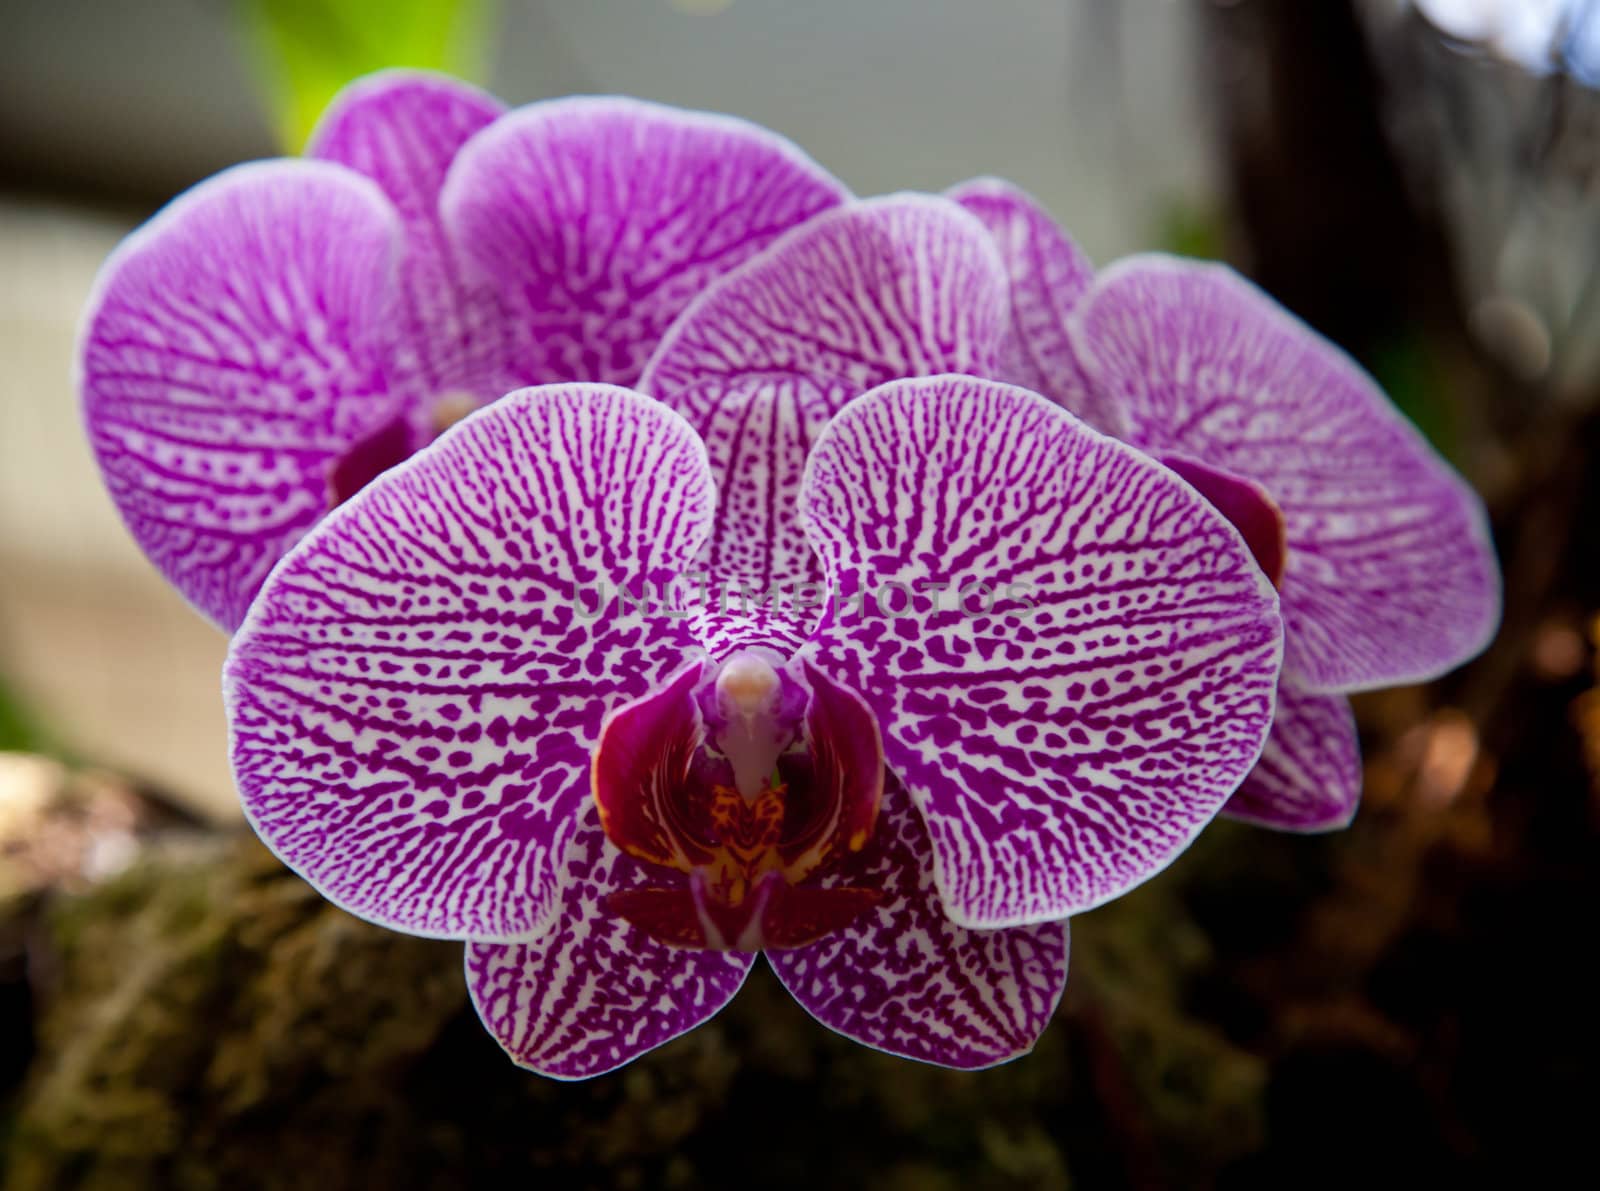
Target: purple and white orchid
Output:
[
  {"x": 763, "y": 614},
  {"x": 429, "y": 728},
  {"x": 285, "y": 331},
  {"x": 1381, "y": 552},
  {"x": 617, "y": 802}
]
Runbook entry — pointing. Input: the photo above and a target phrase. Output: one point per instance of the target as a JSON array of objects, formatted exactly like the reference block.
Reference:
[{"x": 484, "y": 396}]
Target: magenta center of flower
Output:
[
  {"x": 394, "y": 442},
  {"x": 1246, "y": 504},
  {"x": 391, "y": 443},
  {"x": 746, "y": 786}
]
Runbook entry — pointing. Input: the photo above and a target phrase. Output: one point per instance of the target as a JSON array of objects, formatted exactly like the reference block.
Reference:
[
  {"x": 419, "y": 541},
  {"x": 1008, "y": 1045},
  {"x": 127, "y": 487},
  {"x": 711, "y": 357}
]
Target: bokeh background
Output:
[{"x": 1418, "y": 178}]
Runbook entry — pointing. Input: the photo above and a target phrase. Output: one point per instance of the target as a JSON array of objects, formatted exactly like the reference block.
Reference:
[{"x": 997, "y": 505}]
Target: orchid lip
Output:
[{"x": 752, "y": 782}]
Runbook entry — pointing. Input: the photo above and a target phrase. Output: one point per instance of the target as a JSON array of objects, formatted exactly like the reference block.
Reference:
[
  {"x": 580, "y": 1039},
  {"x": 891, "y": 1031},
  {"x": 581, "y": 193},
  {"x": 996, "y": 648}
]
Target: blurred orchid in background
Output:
[
  {"x": 1381, "y": 552},
  {"x": 283, "y": 332}
]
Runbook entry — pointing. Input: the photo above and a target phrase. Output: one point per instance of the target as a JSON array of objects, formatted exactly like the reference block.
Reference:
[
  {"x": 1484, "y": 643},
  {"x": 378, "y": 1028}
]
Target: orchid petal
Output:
[
  {"x": 1309, "y": 775},
  {"x": 1099, "y": 675},
  {"x": 904, "y": 979},
  {"x": 907, "y": 285},
  {"x": 415, "y": 695},
  {"x": 234, "y": 350},
  {"x": 1391, "y": 575},
  {"x": 402, "y": 128},
  {"x": 600, "y": 219},
  {"x": 1049, "y": 275},
  {"x": 594, "y": 992}
]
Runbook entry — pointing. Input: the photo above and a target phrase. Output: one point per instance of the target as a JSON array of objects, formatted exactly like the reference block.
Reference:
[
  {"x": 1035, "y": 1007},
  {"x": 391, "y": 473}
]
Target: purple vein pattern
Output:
[
  {"x": 234, "y": 349},
  {"x": 905, "y": 979},
  {"x": 268, "y": 344},
  {"x": 907, "y": 285},
  {"x": 1070, "y": 739},
  {"x": 600, "y": 219},
  {"x": 1309, "y": 775},
  {"x": 1048, "y": 274},
  {"x": 594, "y": 992},
  {"x": 414, "y": 696},
  {"x": 1391, "y": 576},
  {"x": 403, "y": 129}
]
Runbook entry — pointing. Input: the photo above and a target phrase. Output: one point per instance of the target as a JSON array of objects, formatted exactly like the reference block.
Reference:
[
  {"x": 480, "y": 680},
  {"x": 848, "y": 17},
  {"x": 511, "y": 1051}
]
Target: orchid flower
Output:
[
  {"x": 288, "y": 329},
  {"x": 1381, "y": 552},
  {"x": 503, "y": 693}
]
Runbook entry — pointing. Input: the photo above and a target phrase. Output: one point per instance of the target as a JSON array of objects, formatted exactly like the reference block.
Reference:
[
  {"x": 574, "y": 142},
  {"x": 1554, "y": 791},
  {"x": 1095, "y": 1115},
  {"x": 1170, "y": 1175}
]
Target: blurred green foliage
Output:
[
  {"x": 19, "y": 733},
  {"x": 1406, "y": 370},
  {"x": 1186, "y": 229},
  {"x": 308, "y": 49}
]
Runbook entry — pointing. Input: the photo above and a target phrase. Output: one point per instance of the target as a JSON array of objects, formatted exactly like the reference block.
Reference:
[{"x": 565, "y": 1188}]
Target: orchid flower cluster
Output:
[{"x": 1098, "y": 556}]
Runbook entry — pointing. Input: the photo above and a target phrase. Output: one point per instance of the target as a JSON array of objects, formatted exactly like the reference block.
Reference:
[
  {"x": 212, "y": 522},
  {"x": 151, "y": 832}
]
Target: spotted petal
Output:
[
  {"x": 1048, "y": 275},
  {"x": 594, "y": 992},
  {"x": 403, "y": 128},
  {"x": 415, "y": 695},
  {"x": 1309, "y": 775},
  {"x": 903, "y": 978},
  {"x": 907, "y": 285},
  {"x": 599, "y": 220},
  {"x": 1391, "y": 576},
  {"x": 1098, "y": 674},
  {"x": 234, "y": 351}
]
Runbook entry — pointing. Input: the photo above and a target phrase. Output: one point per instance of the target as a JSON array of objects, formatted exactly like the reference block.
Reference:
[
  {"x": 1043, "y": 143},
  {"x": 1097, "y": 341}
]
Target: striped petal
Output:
[
  {"x": 235, "y": 351},
  {"x": 402, "y": 128},
  {"x": 1309, "y": 775},
  {"x": 1391, "y": 576},
  {"x": 594, "y": 992},
  {"x": 599, "y": 220},
  {"x": 1048, "y": 275},
  {"x": 907, "y": 285},
  {"x": 1097, "y": 675},
  {"x": 903, "y": 978},
  {"x": 414, "y": 697}
]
